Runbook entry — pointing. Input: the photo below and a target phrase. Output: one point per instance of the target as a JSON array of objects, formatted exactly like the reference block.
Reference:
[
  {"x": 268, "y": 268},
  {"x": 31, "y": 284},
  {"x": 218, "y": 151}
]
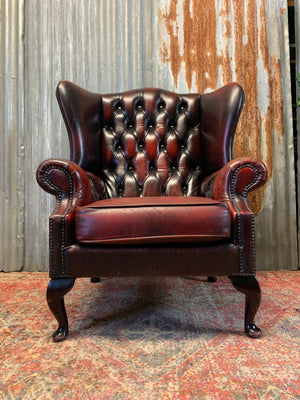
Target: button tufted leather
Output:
[{"x": 153, "y": 145}]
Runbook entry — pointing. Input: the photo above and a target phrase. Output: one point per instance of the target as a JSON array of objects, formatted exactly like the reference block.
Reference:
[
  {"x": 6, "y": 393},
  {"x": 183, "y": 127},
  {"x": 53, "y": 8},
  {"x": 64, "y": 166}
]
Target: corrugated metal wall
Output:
[
  {"x": 297, "y": 38},
  {"x": 186, "y": 45},
  {"x": 207, "y": 44},
  {"x": 12, "y": 95}
]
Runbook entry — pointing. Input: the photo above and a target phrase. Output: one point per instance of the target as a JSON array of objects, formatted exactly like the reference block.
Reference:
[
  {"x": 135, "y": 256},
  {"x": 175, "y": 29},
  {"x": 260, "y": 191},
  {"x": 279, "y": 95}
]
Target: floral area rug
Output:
[{"x": 162, "y": 338}]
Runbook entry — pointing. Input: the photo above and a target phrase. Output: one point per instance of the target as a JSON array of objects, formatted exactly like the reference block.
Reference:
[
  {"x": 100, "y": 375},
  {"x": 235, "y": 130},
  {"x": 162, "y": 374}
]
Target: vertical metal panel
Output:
[
  {"x": 11, "y": 136},
  {"x": 115, "y": 45},
  {"x": 101, "y": 45},
  {"x": 297, "y": 37},
  {"x": 208, "y": 44}
]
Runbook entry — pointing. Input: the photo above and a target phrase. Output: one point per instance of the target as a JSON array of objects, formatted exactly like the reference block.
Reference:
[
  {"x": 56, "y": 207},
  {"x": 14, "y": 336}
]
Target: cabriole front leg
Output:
[
  {"x": 250, "y": 287},
  {"x": 57, "y": 288}
]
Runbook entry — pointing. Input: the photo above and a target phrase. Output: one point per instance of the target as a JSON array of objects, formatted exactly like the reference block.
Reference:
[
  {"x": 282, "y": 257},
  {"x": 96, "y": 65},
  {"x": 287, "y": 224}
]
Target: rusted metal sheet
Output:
[
  {"x": 108, "y": 46},
  {"x": 208, "y": 44}
]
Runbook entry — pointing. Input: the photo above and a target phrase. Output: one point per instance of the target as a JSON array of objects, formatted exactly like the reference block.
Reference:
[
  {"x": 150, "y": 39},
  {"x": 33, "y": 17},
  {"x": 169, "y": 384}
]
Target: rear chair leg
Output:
[
  {"x": 95, "y": 280},
  {"x": 250, "y": 287},
  {"x": 57, "y": 288},
  {"x": 212, "y": 279}
]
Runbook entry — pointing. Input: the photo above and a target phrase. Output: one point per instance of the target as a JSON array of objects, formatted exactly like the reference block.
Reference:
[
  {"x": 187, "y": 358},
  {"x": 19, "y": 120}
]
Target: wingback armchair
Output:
[{"x": 151, "y": 190}]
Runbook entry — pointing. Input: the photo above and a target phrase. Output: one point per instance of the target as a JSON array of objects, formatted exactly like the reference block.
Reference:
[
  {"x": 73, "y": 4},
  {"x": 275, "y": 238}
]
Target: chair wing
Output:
[
  {"x": 81, "y": 112},
  {"x": 220, "y": 112}
]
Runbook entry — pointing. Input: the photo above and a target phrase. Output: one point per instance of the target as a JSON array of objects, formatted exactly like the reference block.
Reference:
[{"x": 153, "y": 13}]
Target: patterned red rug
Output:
[{"x": 150, "y": 339}]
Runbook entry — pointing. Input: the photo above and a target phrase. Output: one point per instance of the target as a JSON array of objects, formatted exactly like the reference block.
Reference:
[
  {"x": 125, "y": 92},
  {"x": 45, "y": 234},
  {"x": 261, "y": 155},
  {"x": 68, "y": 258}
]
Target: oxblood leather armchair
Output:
[{"x": 151, "y": 190}]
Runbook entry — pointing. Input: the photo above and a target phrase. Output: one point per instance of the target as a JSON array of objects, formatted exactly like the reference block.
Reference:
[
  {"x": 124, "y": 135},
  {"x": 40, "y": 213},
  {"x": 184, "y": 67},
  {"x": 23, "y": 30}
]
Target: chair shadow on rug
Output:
[
  {"x": 151, "y": 189},
  {"x": 119, "y": 311}
]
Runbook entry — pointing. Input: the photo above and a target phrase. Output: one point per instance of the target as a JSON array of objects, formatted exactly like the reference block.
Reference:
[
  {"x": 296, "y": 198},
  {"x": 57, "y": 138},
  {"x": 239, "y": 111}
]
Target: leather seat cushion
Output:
[{"x": 152, "y": 220}]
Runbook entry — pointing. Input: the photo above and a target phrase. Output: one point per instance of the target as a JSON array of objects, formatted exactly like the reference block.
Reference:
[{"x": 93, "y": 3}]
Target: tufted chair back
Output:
[{"x": 150, "y": 142}]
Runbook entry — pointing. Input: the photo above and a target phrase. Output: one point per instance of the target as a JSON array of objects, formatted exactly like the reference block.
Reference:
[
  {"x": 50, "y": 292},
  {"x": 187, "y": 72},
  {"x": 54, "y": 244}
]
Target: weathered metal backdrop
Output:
[
  {"x": 12, "y": 178},
  {"x": 297, "y": 37},
  {"x": 184, "y": 45}
]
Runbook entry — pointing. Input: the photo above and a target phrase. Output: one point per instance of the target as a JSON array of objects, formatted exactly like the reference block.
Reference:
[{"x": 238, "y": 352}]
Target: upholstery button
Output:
[
  {"x": 119, "y": 147},
  {"x": 181, "y": 108},
  {"x": 150, "y": 126},
  {"x": 141, "y": 146},
  {"x": 182, "y": 146},
  {"x": 172, "y": 127},
  {"x": 173, "y": 168},
  {"x": 130, "y": 168},
  {"x": 162, "y": 146},
  {"x": 130, "y": 126}
]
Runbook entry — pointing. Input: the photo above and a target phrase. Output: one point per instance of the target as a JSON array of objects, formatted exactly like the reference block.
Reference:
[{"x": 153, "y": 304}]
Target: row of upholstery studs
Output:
[
  {"x": 161, "y": 107},
  {"x": 149, "y": 127},
  {"x": 153, "y": 168},
  {"x": 118, "y": 108},
  {"x": 141, "y": 146},
  {"x": 140, "y": 189}
]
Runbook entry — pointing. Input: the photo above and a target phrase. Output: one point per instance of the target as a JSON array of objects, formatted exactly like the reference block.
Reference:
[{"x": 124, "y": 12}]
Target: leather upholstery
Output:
[
  {"x": 140, "y": 149},
  {"x": 152, "y": 220},
  {"x": 152, "y": 260},
  {"x": 150, "y": 142}
]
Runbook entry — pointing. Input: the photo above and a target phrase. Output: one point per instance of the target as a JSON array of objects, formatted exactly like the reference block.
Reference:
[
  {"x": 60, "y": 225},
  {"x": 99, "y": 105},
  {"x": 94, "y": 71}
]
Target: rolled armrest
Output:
[
  {"x": 231, "y": 184},
  {"x": 236, "y": 178},
  {"x": 71, "y": 185}
]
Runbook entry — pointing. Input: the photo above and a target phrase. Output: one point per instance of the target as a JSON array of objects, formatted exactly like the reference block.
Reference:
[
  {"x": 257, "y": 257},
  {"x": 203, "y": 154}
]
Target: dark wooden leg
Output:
[
  {"x": 212, "y": 279},
  {"x": 57, "y": 288},
  {"x": 250, "y": 287},
  {"x": 95, "y": 280}
]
